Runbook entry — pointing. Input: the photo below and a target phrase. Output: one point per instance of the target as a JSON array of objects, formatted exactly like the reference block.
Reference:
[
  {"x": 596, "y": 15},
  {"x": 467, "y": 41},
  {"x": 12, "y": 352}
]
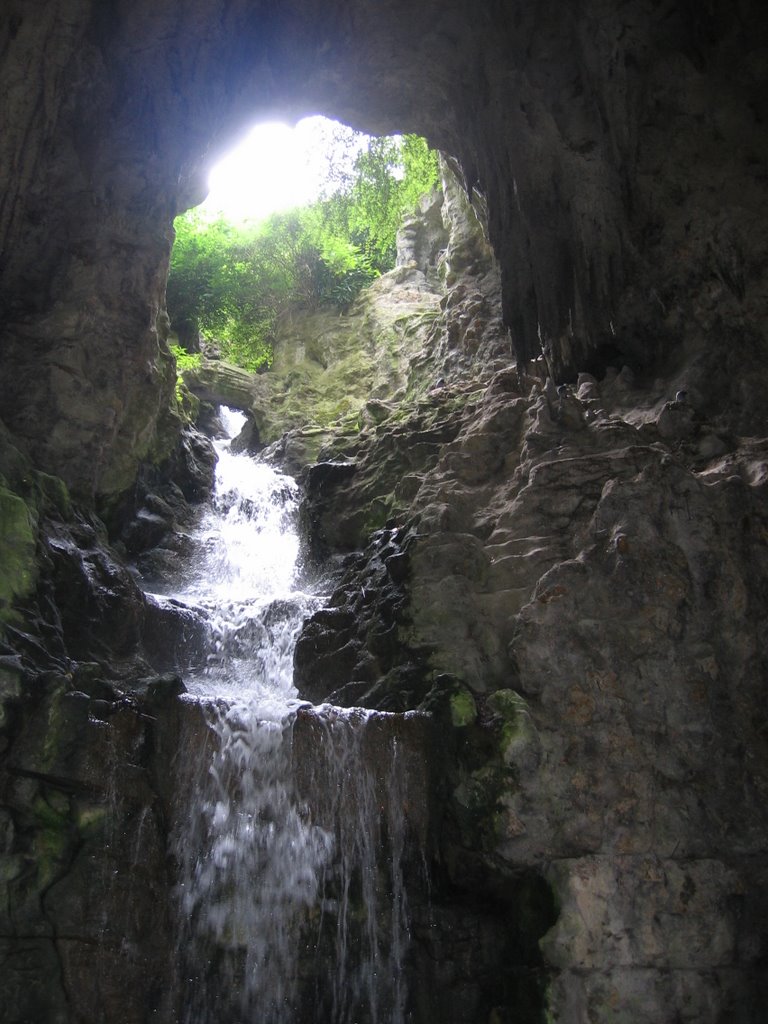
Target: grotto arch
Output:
[{"x": 561, "y": 118}]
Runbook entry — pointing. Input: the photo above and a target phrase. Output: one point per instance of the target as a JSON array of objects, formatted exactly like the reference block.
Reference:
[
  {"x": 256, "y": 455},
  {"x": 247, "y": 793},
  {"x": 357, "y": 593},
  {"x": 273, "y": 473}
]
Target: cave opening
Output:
[{"x": 296, "y": 217}]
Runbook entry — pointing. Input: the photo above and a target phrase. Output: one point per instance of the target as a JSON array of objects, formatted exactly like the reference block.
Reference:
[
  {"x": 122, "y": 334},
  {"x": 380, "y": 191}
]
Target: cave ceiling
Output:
[{"x": 618, "y": 146}]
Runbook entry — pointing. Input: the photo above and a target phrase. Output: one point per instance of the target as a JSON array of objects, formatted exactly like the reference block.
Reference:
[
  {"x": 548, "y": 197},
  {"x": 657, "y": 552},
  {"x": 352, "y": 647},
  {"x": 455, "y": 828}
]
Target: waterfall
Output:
[{"x": 292, "y": 822}]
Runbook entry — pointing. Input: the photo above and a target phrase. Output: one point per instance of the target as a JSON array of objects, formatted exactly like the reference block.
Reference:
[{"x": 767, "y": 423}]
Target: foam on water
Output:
[{"x": 244, "y": 576}]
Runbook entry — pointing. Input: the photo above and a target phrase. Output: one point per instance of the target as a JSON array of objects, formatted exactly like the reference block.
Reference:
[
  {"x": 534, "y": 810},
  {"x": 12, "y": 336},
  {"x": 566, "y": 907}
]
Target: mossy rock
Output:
[
  {"x": 517, "y": 729},
  {"x": 18, "y": 536},
  {"x": 54, "y": 494},
  {"x": 379, "y": 512},
  {"x": 463, "y": 708},
  {"x": 477, "y": 804},
  {"x": 54, "y": 835}
]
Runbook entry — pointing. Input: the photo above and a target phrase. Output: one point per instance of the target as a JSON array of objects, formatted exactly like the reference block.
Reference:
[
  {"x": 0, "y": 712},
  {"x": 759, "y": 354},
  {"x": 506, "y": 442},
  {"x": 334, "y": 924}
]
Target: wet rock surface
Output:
[
  {"x": 164, "y": 497},
  {"x": 84, "y": 924},
  {"x": 85, "y": 929},
  {"x": 352, "y": 653},
  {"x": 587, "y": 588}
]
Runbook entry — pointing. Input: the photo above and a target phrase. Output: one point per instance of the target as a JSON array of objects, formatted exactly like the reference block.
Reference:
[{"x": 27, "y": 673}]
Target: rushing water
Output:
[{"x": 291, "y": 897}]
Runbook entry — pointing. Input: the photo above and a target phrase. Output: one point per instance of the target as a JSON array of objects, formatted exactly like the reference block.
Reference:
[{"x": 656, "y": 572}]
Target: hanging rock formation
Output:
[
  {"x": 618, "y": 151},
  {"x": 561, "y": 561}
]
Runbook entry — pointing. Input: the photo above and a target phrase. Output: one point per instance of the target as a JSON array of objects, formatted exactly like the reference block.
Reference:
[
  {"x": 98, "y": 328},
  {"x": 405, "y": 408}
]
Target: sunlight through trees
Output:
[{"x": 233, "y": 281}]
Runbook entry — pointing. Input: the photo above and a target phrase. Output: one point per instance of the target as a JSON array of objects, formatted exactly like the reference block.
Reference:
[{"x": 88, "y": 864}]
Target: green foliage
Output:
[
  {"x": 215, "y": 286},
  {"x": 389, "y": 177},
  {"x": 234, "y": 283},
  {"x": 185, "y": 360}
]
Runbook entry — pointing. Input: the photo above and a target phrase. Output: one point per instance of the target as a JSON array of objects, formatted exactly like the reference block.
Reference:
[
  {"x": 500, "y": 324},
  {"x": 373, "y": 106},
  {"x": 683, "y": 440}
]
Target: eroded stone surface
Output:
[{"x": 610, "y": 583}]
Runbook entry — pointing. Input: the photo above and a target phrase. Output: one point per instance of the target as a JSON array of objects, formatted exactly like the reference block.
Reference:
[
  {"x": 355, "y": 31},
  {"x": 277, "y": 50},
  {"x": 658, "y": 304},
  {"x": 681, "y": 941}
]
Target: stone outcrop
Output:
[
  {"x": 567, "y": 574},
  {"x": 569, "y": 579},
  {"x": 220, "y": 383}
]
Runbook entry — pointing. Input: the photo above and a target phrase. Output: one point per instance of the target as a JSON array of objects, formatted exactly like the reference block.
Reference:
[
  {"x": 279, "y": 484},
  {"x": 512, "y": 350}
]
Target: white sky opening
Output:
[{"x": 277, "y": 167}]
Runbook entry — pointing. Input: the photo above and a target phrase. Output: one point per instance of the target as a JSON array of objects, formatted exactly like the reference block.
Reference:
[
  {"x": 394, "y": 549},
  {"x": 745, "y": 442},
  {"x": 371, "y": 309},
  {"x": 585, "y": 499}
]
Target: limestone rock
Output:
[
  {"x": 422, "y": 238},
  {"x": 221, "y": 383},
  {"x": 584, "y": 568},
  {"x": 676, "y": 422}
]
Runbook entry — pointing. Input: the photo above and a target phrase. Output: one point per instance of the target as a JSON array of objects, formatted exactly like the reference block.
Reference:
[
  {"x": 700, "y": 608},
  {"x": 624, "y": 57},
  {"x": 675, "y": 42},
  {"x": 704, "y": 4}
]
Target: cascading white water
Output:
[
  {"x": 291, "y": 895},
  {"x": 243, "y": 575}
]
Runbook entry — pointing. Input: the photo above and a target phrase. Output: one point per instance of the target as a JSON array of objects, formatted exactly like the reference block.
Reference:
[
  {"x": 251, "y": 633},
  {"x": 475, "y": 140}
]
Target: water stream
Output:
[{"x": 292, "y": 824}]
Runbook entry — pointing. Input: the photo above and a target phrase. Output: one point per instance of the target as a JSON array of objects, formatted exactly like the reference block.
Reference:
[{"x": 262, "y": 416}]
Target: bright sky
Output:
[{"x": 276, "y": 167}]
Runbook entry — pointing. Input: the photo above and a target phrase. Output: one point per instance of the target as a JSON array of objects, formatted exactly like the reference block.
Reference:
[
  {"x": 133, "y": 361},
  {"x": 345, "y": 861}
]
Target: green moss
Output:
[
  {"x": 517, "y": 728},
  {"x": 477, "y": 805},
  {"x": 53, "y": 836},
  {"x": 498, "y": 728},
  {"x": 379, "y": 511},
  {"x": 15, "y": 470},
  {"x": 54, "y": 494},
  {"x": 18, "y": 531},
  {"x": 187, "y": 403},
  {"x": 463, "y": 708}
]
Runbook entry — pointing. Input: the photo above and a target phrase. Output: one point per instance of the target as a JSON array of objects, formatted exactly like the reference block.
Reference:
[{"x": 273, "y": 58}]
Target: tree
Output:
[
  {"x": 233, "y": 283},
  {"x": 389, "y": 178}
]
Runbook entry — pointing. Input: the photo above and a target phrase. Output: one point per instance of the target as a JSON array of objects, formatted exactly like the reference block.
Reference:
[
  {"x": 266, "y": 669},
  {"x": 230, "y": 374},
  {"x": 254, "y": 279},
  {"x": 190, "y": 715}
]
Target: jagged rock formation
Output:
[
  {"x": 571, "y": 574},
  {"x": 566, "y": 577},
  {"x": 569, "y": 581}
]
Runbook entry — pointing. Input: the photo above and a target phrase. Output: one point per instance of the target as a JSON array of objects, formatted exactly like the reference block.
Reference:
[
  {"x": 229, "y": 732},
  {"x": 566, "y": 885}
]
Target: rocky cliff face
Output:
[
  {"x": 569, "y": 579},
  {"x": 576, "y": 589}
]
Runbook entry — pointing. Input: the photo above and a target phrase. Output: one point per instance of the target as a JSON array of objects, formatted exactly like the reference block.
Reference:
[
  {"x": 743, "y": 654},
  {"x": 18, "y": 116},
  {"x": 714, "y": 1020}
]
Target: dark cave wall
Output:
[
  {"x": 619, "y": 148},
  {"x": 623, "y": 185}
]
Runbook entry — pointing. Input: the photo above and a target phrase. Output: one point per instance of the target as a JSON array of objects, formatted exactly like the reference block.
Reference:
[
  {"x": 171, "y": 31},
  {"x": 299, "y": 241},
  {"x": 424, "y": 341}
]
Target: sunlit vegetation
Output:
[{"x": 233, "y": 282}]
